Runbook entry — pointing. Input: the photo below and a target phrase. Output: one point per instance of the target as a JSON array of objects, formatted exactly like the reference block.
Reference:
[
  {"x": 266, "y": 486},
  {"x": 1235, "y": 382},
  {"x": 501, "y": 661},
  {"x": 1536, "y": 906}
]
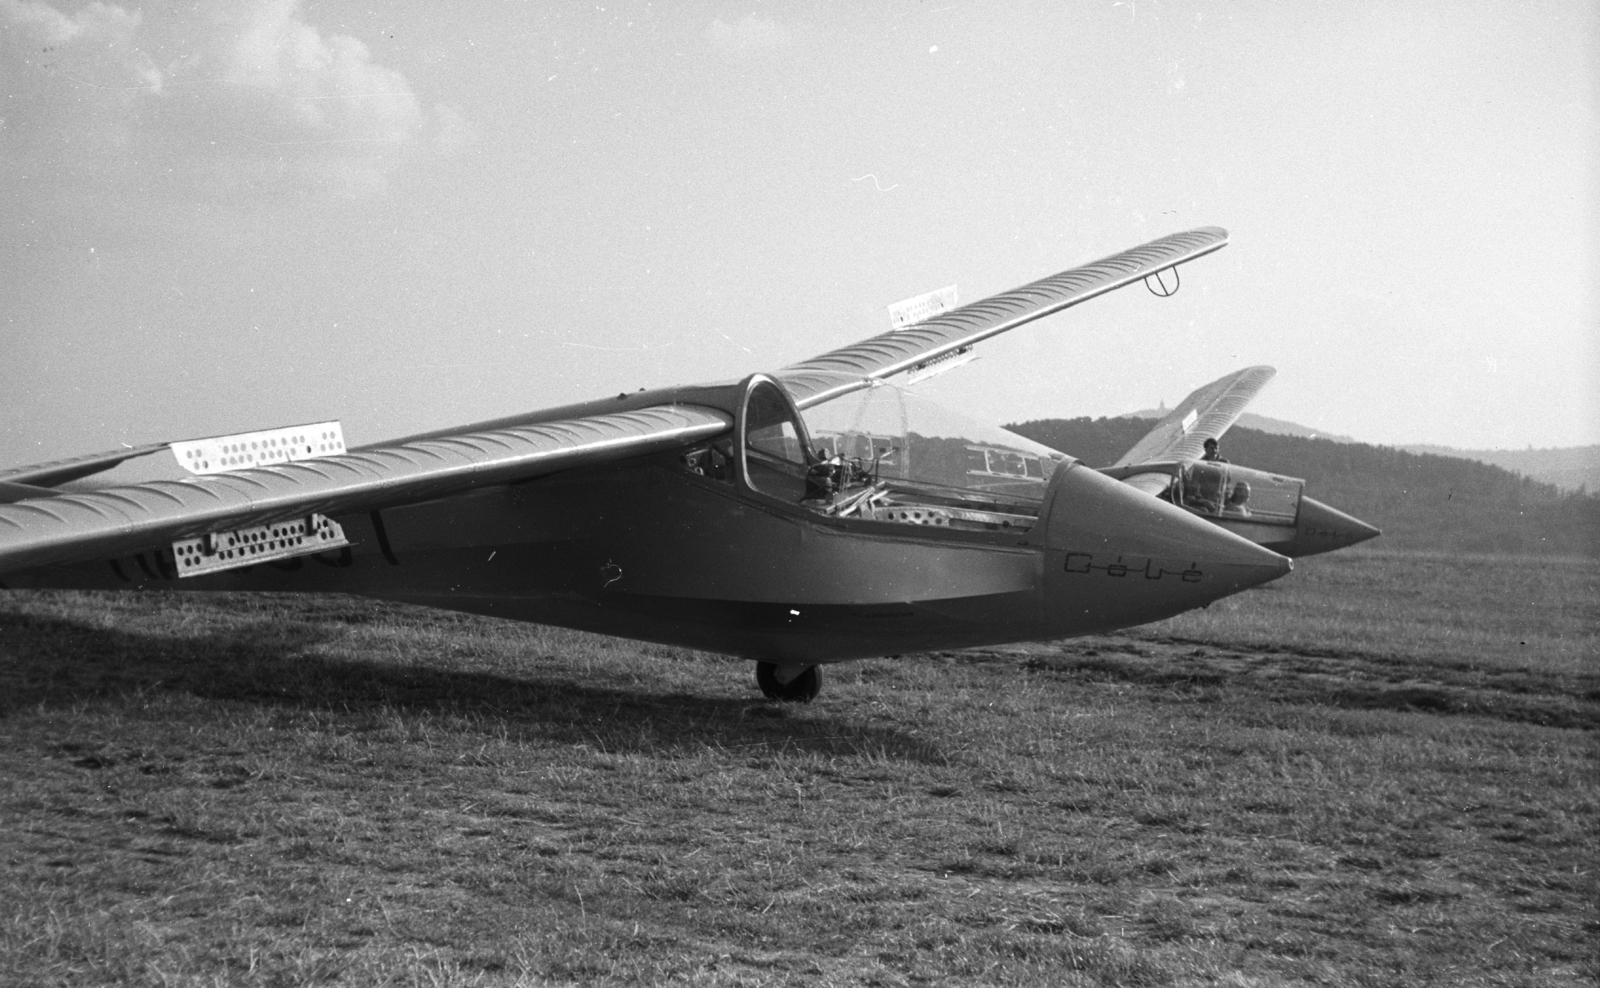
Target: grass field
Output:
[{"x": 1381, "y": 770}]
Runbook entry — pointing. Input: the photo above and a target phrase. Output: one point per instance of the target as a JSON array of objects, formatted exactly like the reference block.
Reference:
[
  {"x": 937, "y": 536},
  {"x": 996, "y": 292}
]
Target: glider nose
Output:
[
  {"x": 1322, "y": 528},
  {"x": 1122, "y": 557}
]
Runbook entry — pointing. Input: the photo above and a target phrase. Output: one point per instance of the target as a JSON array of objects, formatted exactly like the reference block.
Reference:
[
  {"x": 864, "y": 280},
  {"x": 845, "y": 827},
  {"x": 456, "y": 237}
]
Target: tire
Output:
[{"x": 802, "y": 689}]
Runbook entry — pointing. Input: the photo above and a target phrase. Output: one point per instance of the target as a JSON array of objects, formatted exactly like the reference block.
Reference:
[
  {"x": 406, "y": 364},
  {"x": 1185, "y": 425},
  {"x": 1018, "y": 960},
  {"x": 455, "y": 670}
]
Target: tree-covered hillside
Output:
[
  {"x": 1420, "y": 501},
  {"x": 1570, "y": 469}
]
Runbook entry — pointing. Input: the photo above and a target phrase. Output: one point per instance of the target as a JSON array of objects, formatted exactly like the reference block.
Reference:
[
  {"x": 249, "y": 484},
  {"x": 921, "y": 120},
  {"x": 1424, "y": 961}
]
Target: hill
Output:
[
  {"x": 1573, "y": 468},
  {"x": 1421, "y": 501}
]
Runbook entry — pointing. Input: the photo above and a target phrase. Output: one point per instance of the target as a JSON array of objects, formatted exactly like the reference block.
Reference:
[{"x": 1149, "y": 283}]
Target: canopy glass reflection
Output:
[{"x": 901, "y": 436}]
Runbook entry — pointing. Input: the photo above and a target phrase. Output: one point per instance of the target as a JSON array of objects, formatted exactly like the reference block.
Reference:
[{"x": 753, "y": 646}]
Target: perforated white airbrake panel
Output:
[
  {"x": 260, "y": 544},
  {"x": 51, "y": 531},
  {"x": 221, "y": 454},
  {"x": 919, "y": 307}
]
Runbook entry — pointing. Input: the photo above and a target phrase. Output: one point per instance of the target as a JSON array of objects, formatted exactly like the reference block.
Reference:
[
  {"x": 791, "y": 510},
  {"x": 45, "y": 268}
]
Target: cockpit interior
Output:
[
  {"x": 1224, "y": 490},
  {"x": 883, "y": 454}
]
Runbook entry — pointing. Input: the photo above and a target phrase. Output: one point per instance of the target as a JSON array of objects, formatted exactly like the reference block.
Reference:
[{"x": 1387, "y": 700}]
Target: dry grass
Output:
[
  {"x": 1357, "y": 776},
  {"x": 1469, "y": 612}
]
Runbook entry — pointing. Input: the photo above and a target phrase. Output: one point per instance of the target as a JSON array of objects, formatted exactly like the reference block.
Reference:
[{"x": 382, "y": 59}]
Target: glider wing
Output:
[
  {"x": 952, "y": 333},
  {"x": 1205, "y": 414},
  {"x": 65, "y": 528},
  {"x": 62, "y": 471}
]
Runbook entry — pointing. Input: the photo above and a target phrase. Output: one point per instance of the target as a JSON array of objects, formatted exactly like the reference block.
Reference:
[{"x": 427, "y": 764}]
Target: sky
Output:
[{"x": 241, "y": 214}]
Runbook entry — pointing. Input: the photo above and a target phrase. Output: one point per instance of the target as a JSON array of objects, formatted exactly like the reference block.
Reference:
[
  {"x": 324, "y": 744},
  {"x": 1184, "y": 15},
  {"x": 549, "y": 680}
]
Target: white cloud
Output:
[
  {"x": 109, "y": 29},
  {"x": 70, "y": 77},
  {"x": 227, "y": 98},
  {"x": 753, "y": 35},
  {"x": 319, "y": 86}
]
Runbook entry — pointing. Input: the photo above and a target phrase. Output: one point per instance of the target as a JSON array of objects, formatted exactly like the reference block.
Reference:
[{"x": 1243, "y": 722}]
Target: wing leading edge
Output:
[
  {"x": 858, "y": 365},
  {"x": 72, "y": 528}
]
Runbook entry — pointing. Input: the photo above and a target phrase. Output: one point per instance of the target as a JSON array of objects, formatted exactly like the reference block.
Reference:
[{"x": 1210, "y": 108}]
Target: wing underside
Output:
[{"x": 858, "y": 365}]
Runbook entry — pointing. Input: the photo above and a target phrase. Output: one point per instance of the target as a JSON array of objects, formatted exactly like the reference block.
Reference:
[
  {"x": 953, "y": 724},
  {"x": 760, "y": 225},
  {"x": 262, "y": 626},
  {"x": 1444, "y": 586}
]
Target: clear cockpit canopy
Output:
[
  {"x": 911, "y": 438},
  {"x": 1226, "y": 490}
]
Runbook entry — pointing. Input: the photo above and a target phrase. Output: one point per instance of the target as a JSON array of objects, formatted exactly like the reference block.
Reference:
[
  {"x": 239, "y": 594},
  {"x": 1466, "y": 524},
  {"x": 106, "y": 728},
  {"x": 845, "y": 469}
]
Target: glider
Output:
[
  {"x": 811, "y": 515},
  {"x": 1270, "y": 510}
]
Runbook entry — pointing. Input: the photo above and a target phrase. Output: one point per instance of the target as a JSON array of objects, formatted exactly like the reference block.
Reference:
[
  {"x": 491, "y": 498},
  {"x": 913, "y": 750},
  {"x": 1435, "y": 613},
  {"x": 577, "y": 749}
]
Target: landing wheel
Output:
[{"x": 803, "y": 688}]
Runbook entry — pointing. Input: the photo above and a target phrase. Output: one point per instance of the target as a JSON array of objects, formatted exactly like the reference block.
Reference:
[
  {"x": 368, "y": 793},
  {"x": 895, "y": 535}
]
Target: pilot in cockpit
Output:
[
  {"x": 1203, "y": 487},
  {"x": 1237, "y": 499}
]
